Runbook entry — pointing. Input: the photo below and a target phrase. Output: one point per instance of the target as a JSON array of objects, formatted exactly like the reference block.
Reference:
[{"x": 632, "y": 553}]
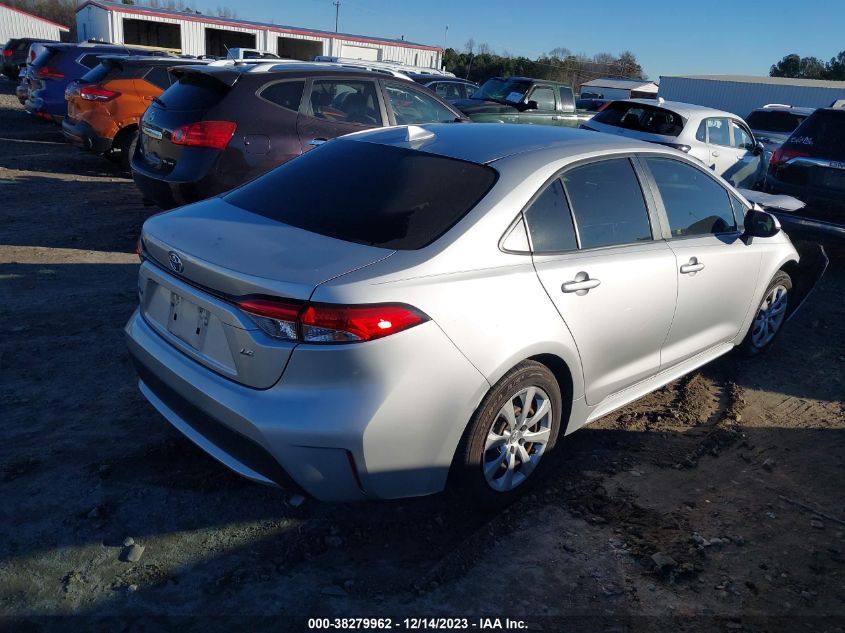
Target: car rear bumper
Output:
[
  {"x": 38, "y": 107},
  {"x": 345, "y": 422},
  {"x": 82, "y": 135}
]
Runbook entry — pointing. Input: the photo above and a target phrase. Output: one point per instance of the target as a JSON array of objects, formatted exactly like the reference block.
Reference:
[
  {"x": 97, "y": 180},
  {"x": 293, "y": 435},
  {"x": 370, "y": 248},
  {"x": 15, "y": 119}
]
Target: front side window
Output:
[
  {"x": 608, "y": 203},
  {"x": 286, "y": 94},
  {"x": 448, "y": 90},
  {"x": 412, "y": 106},
  {"x": 550, "y": 221},
  {"x": 342, "y": 101},
  {"x": 545, "y": 98},
  {"x": 742, "y": 138},
  {"x": 695, "y": 203}
]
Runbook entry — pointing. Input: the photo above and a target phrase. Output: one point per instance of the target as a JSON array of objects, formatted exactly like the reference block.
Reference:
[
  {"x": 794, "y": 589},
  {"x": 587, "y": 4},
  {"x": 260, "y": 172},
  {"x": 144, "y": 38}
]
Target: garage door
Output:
[{"x": 360, "y": 52}]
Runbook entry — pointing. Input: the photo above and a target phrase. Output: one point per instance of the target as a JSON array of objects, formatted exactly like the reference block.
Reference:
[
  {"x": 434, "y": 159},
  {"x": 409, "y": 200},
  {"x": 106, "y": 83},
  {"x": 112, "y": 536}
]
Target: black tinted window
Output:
[
  {"x": 695, "y": 203},
  {"x": 287, "y": 94},
  {"x": 550, "y": 221},
  {"x": 100, "y": 73},
  {"x": 774, "y": 121},
  {"x": 194, "y": 91},
  {"x": 739, "y": 213},
  {"x": 89, "y": 61},
  {"x": 159, "y": 77},
  {"x": 640, "y": 117},
  {"x": 822, "y": 134},
  {"x": 608, "y": 203},
  {"x": 380, "y": 195}
]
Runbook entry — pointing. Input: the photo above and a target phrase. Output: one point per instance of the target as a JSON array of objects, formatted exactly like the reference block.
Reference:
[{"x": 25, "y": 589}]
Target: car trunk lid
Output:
[{"x": 205, "y": 257}]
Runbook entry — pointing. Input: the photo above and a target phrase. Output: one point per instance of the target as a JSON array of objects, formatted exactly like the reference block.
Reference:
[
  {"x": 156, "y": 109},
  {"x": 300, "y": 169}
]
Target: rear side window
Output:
[
  {"x": 550, "y": 221},
  {"x": 695, "y": 203},
  {"x": 384, "y": 196},
  {"x": 567, "y": 99},
  {"x": 608, "y": 203},
  {"x": 773, "y": 121},
  {"x": 821, "y": 135},
  {"x": 100, "y": 73},
  {"x": 286, "y": 94},
  {"x": 90, "y": 60},
  {"x": 642, "y": 118},
  {"x": 44, "y": 57},
  {"x": 194, "y": 91}
]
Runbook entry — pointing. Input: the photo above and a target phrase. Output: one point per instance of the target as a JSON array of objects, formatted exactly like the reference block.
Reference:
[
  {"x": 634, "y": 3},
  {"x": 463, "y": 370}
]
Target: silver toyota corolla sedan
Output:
[{"x": 413, "y": 305}]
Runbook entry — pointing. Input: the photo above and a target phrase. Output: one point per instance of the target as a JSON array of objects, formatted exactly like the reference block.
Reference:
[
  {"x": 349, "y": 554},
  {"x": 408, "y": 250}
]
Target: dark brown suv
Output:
[{"x": 220, "y": 126}]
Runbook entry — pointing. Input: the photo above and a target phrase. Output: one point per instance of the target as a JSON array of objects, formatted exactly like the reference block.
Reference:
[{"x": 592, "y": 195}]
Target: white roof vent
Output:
[
  {"x": 417, "y": 133},
  {"x": 661, "y": 100}
]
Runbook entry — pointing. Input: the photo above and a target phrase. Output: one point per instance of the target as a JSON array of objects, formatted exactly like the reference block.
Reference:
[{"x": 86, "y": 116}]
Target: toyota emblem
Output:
[{"x": 176, "y": 262}]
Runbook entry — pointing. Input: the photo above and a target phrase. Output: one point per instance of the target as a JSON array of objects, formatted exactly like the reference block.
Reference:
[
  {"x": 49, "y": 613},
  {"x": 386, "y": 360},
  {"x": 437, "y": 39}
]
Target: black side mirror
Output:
[
  {"x": 531, "y": 105},
  {"x": 760, "y": 224},
  {"x": 759, "y": 148}
]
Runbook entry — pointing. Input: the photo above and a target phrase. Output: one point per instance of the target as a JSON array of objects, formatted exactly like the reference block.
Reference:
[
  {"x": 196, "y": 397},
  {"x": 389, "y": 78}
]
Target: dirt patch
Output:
[{"x": 713, "y": 504}]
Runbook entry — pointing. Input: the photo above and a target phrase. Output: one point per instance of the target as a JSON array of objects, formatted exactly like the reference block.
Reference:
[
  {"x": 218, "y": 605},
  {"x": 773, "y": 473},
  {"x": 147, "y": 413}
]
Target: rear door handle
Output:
[
  {"x": 581, "y": 285},
  {"x": 692, "y": 266}
]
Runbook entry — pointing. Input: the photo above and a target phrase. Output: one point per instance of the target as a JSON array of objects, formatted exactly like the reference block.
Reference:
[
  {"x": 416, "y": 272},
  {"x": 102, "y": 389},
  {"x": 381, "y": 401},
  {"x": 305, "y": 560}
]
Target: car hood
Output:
[{"x": 483, "y": 106}]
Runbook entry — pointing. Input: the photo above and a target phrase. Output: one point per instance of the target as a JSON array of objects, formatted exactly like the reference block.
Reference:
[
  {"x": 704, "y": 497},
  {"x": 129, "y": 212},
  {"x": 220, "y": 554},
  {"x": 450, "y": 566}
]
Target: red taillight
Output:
[
  {"x": 95, "y": 93},
  {"x": 49, "y": 73},
  {"x": 329, "y": 323},
  {"x": 7, "y": 53},
  {"x": 782, "y": 155},
  {"x": 213, "y": 134}
]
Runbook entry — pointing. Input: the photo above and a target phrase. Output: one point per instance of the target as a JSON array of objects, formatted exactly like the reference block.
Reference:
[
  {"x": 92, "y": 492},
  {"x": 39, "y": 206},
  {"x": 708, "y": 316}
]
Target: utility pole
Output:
[
  {"x": 336, "y": 4},
  {"x": 445, "y": 37}
]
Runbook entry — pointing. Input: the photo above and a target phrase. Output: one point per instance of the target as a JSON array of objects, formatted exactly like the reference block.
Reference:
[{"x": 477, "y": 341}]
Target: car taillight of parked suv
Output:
[
  {"x": 220, "y": 126},
  {"x": 810, "y": 165},
  {"x": 104, "y": 107},
  {"x": 57, "y": 65}
]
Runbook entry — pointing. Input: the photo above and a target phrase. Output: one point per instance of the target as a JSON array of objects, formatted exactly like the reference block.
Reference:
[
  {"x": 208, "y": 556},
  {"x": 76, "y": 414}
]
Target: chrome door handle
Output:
[
  {"x": 581, "y": 285},
  {"x": 714, "y": 153},
  {"x": 317, "y": 141},
  {"x": 692, "y": 266}
]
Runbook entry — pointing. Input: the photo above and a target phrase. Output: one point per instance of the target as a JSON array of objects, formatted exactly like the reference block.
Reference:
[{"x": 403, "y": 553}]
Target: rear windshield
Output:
[
  {"x": 194, "y": 91},
  {"x": 44, "y": 57},
  {"x": 821, "y": 135},
  {"x": 642, "y": 118},
  {"x": 100, "y": 73},
  {"x": 371, "y": 194},
  {"x": 774, "y": 121}
]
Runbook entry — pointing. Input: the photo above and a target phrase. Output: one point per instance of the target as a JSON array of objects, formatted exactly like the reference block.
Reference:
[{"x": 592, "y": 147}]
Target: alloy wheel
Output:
[{"x": 769, "y": 317}]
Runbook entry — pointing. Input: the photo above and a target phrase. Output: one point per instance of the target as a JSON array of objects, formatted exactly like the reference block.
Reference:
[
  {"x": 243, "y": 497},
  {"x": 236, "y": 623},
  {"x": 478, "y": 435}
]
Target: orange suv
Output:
[{"x": 105, "y": 105}]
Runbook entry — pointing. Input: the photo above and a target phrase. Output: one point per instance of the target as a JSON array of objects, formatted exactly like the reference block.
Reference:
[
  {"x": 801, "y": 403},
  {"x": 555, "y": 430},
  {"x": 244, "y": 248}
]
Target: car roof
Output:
[
  {"x": 520, "y": 78},
  {"x": 483, "y": 143},
  {"x": 684, "y": 109}
]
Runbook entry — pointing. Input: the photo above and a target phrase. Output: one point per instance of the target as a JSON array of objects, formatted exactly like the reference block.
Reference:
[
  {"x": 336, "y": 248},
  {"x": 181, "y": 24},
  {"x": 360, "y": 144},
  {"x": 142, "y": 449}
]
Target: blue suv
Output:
[{"x": 60, "y": 64}]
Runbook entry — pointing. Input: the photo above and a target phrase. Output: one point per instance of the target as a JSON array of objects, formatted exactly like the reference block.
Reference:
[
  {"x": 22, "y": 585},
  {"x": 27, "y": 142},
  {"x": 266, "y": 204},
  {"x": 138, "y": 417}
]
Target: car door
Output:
[
  {"x": 721, "y": 156},
  {"x": 408, "y": 105},
  {"x": 716, "y": 269},
  {"x": 749, "y": 166},
  {"x": 546, "y": 111},
  {"x": 338, "y": 106},
  {"x": 613, "y": 284}
]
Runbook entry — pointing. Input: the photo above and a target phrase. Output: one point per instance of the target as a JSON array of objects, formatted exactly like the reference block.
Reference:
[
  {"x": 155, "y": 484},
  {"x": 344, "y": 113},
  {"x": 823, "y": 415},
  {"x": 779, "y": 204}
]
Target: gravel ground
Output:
[{"x": 715, "y": 504}]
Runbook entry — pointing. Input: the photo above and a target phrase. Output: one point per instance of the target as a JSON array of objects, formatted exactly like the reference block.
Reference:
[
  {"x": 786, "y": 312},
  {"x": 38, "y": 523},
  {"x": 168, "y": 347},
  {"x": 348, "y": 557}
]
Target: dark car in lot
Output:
[
  {"x": 220, "y": 126},
  {"x": 449, "y": 88},
  {"x": 772, "y": 124},
  {"x": 57, "y": 65},
  {"x": 521, "y": 100},
  {"x": 810, "y": 166},
  {"x": 16, "y": 55}
]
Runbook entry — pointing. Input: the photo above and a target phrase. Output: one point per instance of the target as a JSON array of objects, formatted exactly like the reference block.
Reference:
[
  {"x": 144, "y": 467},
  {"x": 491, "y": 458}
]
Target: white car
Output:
[{"x": 720, "y": 140}]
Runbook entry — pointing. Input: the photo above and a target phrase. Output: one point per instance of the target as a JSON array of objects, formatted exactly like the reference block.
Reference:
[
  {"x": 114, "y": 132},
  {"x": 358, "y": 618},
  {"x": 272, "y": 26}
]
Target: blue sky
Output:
[{"x": 668, "y": 37}]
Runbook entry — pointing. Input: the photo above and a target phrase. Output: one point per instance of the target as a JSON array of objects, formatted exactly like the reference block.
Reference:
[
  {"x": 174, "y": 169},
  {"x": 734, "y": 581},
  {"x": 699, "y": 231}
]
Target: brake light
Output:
[
  {"x": 7, "y": 53},
  {"x": 213, "y": 134},
  {"x": 49, "y": 73},
  {"x": 95, "y": 93},
  {"x": 329, "y": 323},
  {"x": 782, "y": 155}
]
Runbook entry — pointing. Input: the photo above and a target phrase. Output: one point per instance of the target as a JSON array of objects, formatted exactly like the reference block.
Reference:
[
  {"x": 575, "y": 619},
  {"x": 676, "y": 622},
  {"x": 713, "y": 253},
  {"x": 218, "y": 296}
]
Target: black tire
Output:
[
  {"x": 468, "y": 474},
  {"x": 128, "y": 142},
  {"x": 751, "y": 347}
]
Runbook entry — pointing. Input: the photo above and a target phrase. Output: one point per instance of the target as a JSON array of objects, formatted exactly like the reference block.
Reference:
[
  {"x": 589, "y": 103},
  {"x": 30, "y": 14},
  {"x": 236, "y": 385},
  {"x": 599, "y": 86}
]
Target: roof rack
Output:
[
  {"x": 777, "y": 105},
  {"x": 391, "y": 66}
]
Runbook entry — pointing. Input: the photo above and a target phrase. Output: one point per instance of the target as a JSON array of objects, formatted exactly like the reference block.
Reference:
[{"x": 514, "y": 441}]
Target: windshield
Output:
[
  {"x": 385, "y": 196},
  {"x": 510, "y": 90}
]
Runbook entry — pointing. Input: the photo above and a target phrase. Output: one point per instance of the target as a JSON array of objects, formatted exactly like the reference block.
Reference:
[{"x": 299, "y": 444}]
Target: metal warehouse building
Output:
[
  {"x": 15, "y": 23},
  {"x": 741, "y": 94},
  {"x": 197, "y": 34},
  {"x": 610, "y": 88}
]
